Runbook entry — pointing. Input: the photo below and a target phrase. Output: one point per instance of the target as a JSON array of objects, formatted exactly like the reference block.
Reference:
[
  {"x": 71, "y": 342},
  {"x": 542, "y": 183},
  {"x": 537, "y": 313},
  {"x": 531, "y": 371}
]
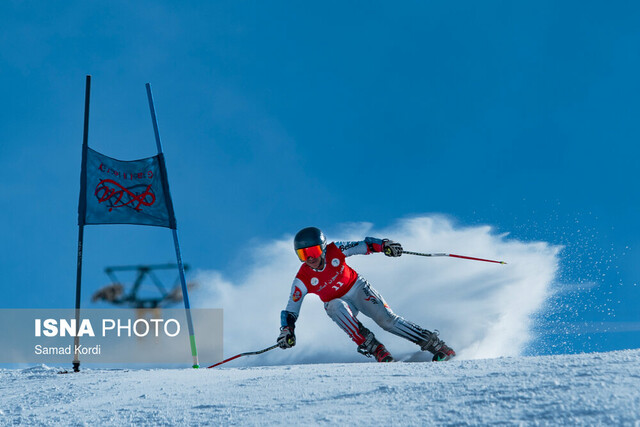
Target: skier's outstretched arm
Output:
[{"x": 370, "y": 245}]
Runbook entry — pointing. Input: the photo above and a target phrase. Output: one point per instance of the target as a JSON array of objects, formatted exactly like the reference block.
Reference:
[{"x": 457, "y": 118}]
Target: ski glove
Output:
[
  {"x": 287, "y": 338},
  {"x": 391, "y": 248}
]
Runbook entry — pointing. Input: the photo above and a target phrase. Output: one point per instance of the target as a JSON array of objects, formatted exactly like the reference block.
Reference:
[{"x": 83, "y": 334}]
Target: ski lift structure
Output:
[{"x": 116, "y": 294}]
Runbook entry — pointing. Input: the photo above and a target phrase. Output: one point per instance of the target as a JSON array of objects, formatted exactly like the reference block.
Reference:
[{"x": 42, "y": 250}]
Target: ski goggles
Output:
[{"x": 310, "y": 252}]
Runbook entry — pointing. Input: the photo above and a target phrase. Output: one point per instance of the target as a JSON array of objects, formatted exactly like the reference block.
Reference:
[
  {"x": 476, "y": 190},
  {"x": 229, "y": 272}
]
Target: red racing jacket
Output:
[{"x": 333, "y": 281}]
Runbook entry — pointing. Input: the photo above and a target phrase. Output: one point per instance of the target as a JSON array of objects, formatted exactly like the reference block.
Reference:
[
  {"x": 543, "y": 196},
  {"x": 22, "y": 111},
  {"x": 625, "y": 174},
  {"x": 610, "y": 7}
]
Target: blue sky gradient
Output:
[{"x": 278, "y": 115}]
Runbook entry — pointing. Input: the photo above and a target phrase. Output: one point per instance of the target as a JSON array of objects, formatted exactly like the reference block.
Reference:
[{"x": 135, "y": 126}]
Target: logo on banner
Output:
[{"x": 116, "y": 196}]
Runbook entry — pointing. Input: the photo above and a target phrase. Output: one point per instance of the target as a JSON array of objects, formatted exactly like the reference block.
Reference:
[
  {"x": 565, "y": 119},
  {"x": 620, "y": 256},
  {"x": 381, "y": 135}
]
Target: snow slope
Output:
[{"x": 585, "y": 389}]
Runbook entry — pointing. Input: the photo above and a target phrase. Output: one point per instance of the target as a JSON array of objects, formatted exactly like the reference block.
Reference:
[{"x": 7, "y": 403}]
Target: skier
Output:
[{"x": 345, "y": 293}]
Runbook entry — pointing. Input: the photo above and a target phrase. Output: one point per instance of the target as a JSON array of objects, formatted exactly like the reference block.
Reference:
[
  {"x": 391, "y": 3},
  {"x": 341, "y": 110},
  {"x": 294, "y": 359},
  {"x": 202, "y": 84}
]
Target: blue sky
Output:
[{"x": 277, "y": 115}]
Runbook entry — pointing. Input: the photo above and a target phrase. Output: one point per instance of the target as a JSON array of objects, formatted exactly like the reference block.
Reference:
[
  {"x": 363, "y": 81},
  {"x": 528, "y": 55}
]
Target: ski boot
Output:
[
  {"x": 372, "y": 347},
  {"x": 380, "y": 352},
  {"x": 435, "y": 345}
]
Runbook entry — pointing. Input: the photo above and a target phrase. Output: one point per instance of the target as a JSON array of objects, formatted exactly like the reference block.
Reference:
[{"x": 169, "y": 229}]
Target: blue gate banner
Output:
[{"x": 125, "y": 192}]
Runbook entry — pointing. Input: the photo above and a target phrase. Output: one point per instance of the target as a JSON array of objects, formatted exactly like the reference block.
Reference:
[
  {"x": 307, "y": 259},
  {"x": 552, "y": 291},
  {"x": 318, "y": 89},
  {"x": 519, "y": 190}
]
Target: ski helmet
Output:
[{"x": 308, "y": 237}]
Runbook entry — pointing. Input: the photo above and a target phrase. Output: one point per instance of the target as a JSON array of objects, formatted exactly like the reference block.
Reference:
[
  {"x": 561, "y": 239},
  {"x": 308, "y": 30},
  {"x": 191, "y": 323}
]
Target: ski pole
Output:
[
  {"x": 454, "y": 256},
  {"x": 250, "y": 353}
]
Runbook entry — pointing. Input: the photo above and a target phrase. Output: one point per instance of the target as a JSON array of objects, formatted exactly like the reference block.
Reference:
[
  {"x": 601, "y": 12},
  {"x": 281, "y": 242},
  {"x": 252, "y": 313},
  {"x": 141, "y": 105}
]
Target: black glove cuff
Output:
[{"x": 288, "y": 319}]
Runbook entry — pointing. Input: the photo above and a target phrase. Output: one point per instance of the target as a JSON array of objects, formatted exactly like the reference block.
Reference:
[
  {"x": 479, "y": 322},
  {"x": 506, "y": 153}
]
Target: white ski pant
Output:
[{"x": 362, "y": 298}]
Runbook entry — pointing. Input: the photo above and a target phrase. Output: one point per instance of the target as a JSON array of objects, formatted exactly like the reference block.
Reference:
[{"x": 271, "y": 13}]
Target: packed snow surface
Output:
[{"x": 585, "y": 389}]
